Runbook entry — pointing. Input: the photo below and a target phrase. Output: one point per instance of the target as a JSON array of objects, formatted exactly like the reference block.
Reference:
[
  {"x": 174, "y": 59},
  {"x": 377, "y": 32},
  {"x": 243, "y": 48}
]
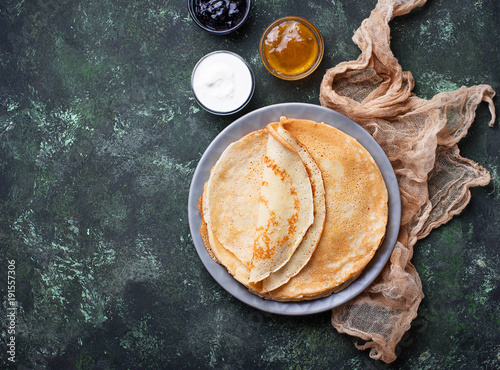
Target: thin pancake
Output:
[
  {"x": 313, "y": 234},
  {"x": 286, "y": 209},
  {"x": 355, "y": 217},
  {"x": 232, "y": 195}
]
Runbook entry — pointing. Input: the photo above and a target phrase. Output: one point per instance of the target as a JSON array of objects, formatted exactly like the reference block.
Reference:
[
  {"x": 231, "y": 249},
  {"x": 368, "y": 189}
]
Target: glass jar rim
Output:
[
  {"x": 200, "y": 24},
  {"x": 313, "y": 29},
  {"x": 252, "y": 78}
]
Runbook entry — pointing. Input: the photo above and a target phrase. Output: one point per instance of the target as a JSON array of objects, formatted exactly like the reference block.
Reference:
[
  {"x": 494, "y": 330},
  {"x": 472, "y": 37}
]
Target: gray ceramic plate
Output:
[{"x": 259, "y": 119}]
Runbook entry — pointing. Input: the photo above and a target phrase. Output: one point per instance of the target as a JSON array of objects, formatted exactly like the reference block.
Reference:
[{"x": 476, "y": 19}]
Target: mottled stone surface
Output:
[{"x": 99, "y": 139}]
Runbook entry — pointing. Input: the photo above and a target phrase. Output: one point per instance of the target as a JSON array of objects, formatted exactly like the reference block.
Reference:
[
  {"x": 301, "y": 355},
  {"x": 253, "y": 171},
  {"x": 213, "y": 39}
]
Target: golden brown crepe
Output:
[
  {"x": 267, "y": 239},
  {"x": 313, "y": 234},
  {"x": 285, "y": 210}
]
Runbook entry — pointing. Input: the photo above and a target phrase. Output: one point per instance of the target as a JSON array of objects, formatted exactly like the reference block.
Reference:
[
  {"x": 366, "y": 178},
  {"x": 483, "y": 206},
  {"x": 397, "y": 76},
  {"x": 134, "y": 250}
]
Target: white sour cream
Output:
[{"x": 222, "y": 82}]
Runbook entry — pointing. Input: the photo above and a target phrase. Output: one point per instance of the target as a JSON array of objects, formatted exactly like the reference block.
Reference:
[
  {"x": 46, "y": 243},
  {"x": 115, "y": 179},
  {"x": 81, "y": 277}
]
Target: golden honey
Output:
[{"x": 290, "y": 48}]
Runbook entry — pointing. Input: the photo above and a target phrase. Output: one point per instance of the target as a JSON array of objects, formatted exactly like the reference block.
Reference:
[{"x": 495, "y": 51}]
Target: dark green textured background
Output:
[{"x": 100, "y": 136}]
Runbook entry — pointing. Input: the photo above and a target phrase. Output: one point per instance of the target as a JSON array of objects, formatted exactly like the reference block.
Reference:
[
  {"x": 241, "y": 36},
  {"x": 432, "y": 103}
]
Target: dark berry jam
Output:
[{"x": 220, "y": 15}]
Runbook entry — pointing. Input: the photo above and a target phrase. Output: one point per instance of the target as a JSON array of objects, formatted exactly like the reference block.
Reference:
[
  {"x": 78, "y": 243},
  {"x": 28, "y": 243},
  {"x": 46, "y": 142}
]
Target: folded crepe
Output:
[
  {"x": 294, "y": 211},
  {"x": 285, "y": 209}
]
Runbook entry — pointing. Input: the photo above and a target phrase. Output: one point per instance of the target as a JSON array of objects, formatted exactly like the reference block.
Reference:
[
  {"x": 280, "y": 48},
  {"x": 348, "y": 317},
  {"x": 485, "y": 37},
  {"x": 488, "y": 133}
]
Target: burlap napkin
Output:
[{"x": 420, "y": 138}]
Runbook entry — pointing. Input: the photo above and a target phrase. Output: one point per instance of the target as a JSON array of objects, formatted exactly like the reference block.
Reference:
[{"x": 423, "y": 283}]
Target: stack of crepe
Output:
[{"x": 294, "y": 211}]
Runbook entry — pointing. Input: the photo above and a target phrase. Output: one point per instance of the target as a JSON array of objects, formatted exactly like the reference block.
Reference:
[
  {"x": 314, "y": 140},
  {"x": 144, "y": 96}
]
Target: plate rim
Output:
[{"x": 235, "y": 131}]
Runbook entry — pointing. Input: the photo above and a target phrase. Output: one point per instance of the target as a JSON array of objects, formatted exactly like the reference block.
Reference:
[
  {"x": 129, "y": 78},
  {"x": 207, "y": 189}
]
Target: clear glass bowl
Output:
[
  {"x": 241, "y": 82},
  {"x": 200, "y": 22},
  {"x": 287, "y": 76}
]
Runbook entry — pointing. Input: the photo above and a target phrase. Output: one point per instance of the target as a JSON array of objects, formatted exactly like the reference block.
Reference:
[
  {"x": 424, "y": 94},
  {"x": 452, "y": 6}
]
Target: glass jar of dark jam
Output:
[{"x": 219, "y": 16}]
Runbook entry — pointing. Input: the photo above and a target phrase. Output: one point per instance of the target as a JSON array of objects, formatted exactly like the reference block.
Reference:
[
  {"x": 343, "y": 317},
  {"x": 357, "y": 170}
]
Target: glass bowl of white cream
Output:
[{"x": 222, "y": 82}]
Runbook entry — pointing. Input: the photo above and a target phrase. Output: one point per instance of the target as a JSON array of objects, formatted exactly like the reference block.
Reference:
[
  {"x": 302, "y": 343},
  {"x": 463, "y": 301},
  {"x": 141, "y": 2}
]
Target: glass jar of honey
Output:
[{"x": 291, "y": 48}]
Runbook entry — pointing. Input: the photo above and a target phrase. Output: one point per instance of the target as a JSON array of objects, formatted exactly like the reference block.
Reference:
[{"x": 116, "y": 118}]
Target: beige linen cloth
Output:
[{"x": 420, "y": 138}]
